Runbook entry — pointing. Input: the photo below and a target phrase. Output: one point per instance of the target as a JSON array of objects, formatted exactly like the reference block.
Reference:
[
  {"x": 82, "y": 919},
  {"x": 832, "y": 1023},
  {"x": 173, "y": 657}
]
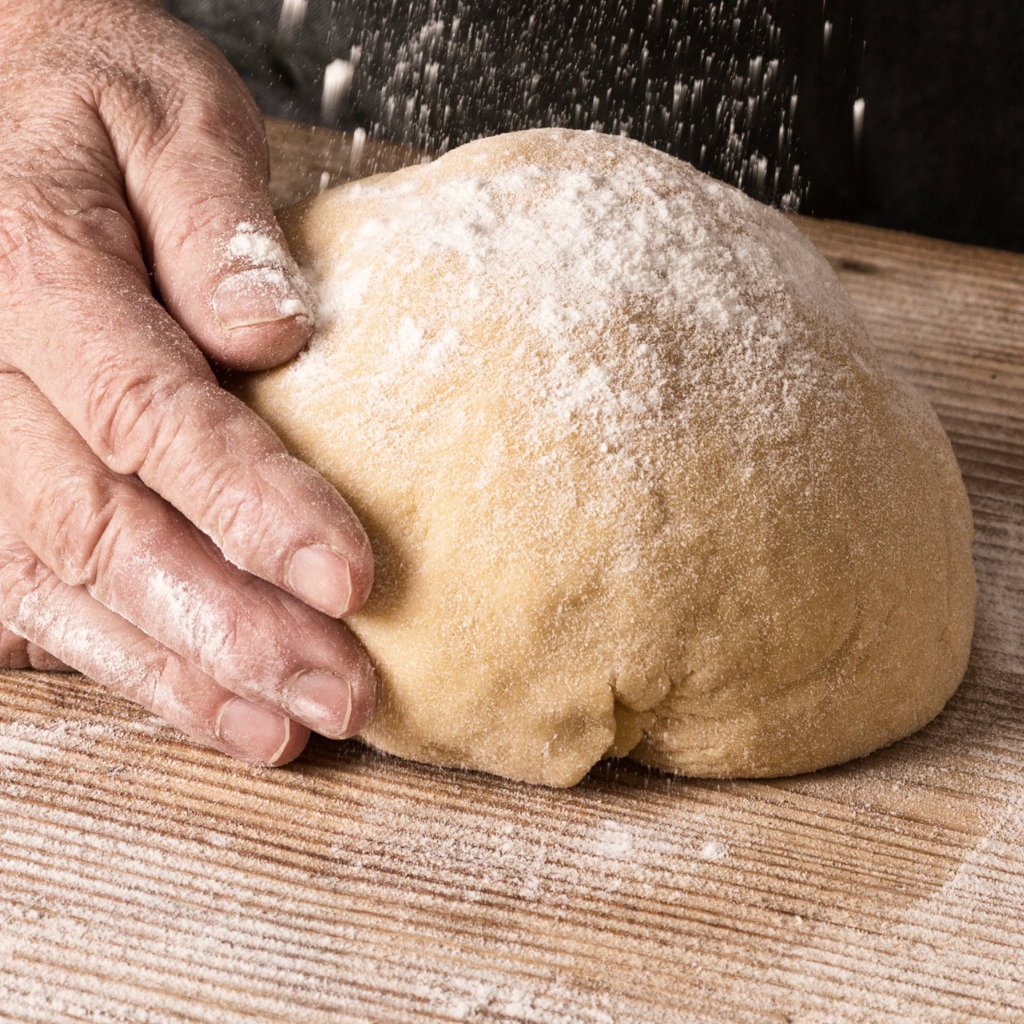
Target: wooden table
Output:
[{"x": 143, "y": 879}]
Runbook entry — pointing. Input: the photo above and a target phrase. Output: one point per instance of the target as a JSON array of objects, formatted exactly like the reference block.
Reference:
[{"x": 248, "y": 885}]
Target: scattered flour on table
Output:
[
  {"x": 119, "y": 913},
  {"x": 22, "y": 743},
  {"x": 220, "y": 938},
  {"x": 714, "y": 850},
  {"x": 970, "y": 930},
  {"x": 127, "y": 917}
]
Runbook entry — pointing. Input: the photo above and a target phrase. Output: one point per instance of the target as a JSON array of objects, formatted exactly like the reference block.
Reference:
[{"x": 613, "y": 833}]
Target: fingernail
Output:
[
  {"x": 262, "y": 295},
  {"x": 253, "y": 733},
  {"x": 321, "y": 701},
  {"x": 322, "y": 578}
]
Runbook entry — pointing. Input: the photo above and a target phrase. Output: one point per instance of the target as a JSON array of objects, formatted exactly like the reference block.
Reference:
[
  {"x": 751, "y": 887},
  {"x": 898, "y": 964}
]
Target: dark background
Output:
[
  {"x": 943, "y": 146},
  {"x": 942, "y": 83}
]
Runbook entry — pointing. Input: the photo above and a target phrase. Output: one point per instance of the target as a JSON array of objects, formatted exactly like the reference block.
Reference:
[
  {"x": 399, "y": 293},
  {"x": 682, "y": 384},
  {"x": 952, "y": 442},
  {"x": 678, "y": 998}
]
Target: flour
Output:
[
  {"x": 411, "y": 345},
  {"x": 707, "y": 82},
  {"x": 79, "y": 635},
  {"x": 565, "y": 258},
  {"x": 968, "y": 934},
  {"x": 271, "y": 271},
  {"x": 256, "y": 247},
  {"x": 185, "y": 618},
  {"x": 189, "y": 921},
  {"x": 159, "y": 888},
  {"x": 714, "y": 850}
]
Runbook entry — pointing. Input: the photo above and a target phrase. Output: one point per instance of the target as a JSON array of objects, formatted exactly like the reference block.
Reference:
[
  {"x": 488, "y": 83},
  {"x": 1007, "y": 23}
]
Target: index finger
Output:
[{"x": 82, "y": 324}]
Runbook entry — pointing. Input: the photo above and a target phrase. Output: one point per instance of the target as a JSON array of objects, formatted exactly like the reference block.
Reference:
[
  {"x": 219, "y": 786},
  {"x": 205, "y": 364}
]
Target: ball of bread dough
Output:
[{"x": 635, "y": 478}]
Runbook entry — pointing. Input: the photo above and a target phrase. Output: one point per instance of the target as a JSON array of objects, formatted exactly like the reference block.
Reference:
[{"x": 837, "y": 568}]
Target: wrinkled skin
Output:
[{"x": 154, "y": 534}]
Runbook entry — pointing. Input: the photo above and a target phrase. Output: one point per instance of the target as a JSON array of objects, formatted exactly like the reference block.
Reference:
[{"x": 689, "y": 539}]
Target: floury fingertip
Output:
[{"x": 261, "y": 295}]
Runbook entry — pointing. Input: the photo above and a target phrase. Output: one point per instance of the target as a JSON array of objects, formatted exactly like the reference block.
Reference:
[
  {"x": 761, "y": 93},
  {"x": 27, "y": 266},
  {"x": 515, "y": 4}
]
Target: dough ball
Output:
[{"x": 635, "y": 478}]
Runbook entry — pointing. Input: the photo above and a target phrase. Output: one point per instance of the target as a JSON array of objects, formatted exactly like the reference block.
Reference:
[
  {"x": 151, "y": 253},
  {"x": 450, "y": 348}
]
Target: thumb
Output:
[{"x": 197, "y": 174}]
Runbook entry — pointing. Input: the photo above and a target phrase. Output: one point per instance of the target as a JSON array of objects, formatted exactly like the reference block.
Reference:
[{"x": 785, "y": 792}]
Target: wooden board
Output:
[{"x": 144, "y": 879}]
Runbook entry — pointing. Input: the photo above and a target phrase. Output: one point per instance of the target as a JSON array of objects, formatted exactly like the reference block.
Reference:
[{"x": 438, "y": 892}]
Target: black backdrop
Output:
[
  {"x": 941, "y": 83},
  {"x": 943, "y": 142}
]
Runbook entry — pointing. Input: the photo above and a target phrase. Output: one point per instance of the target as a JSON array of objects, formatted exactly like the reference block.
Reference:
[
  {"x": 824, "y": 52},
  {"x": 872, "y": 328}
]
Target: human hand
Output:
[{"x": 154, "y": 533}]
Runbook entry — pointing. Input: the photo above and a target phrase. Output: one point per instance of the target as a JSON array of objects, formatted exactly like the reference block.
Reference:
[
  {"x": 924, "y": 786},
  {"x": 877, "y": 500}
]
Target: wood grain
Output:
[
  {"x": 306, "y": 159},
  {"x": 145, "y": 879}
]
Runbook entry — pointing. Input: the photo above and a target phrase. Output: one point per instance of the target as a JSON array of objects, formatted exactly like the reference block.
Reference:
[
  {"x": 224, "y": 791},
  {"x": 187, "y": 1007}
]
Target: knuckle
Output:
[
  {"x": 23, "y": 238},
  {"x": 123, "y": 406},
  {"x": 13, "y": 650},
  {"x": 238, "y": 516},
  {"x": 81, "y": 526},
  {"x": 178, "y": 694},
  {"x": 136, "y": 668},
  {"x": 231, "y": 643},
  {"x": 47, "y": 196},
  {"x": 232, "y": 514},
  {"x": 137, "y": 418},
  {"x": 255, "y": 520},
  {"x": 198, "y": 231},
  {"x": 155, "y": 685},
  {"x": 203, "y": 440},
  {"x": 181, "y": 439},
  {"x": 25, "y": 586},
  {"x": 220, "y": 148},
  {"x": 196, "y": 436}
]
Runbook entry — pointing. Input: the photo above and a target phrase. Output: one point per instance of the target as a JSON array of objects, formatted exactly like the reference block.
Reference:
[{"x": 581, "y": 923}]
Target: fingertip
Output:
[
  {"x": 364, "y": 696},
  {"x": 362, "y": 569},
  {"x": 264, "y": 316},
  {"x": 261, "y": 346},
  {"x": 258, "y": 735},
  {"x": 224, "y": 272},
  {"x": 333, "y": 706},
  {"x": 324, "y": 579},
  {"x": 334, "y": 582},
  {"x": 295, "y": 739}
]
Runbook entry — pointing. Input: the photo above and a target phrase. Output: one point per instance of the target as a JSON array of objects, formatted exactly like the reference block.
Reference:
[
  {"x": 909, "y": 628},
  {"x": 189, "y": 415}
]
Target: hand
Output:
[{"x": 154, "y": 533}]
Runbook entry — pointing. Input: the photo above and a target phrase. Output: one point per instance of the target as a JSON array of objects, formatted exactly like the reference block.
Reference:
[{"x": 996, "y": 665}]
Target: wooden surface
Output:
[{"x": 143, "y": 879}]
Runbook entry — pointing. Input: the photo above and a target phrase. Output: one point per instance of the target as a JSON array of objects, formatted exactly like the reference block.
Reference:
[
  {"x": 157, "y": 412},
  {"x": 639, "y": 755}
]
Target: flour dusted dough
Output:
[{"x": 635, "y": 478}]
